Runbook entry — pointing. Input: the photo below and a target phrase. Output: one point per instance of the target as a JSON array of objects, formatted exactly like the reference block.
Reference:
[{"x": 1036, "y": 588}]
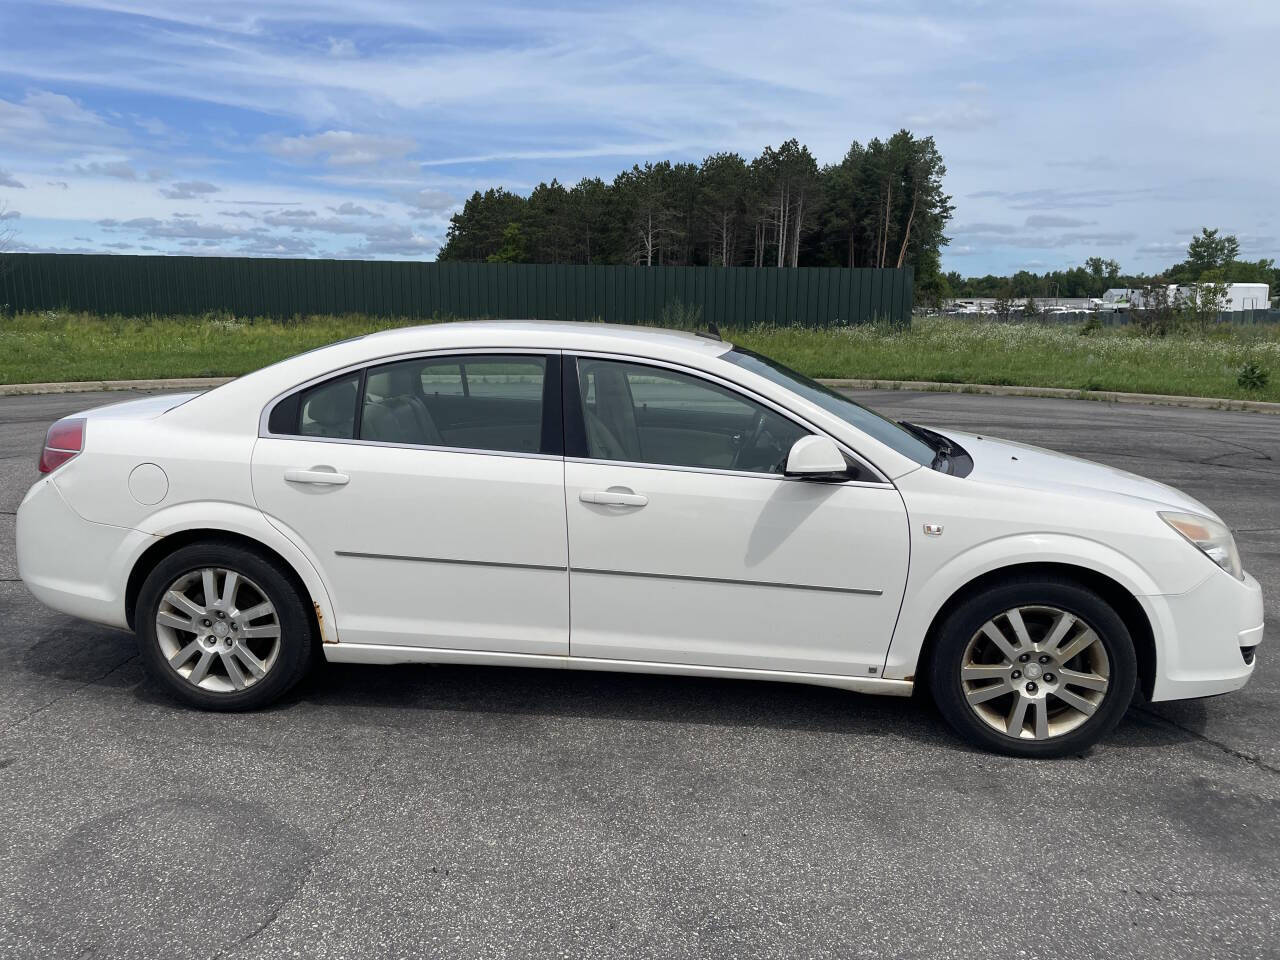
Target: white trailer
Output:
[
  {"x": 1248, "y": 296},
  {"x": 1236, "y": 296}
]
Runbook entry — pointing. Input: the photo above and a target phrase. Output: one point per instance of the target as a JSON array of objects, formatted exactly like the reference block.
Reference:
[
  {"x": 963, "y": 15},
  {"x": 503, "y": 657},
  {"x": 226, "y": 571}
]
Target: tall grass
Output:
[
  {"x": 38, "y": 347},
  {"x": 959, "y": 350}
]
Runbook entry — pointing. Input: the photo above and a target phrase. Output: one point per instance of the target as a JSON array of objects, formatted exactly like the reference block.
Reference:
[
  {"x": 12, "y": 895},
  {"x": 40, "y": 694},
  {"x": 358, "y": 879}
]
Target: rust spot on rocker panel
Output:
[{"x": 324, "y": 637}]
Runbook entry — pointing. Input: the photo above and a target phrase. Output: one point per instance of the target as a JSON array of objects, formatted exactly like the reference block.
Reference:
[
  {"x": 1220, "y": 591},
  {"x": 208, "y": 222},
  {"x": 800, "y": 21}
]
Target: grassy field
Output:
[{"x": 51, "y": 347}]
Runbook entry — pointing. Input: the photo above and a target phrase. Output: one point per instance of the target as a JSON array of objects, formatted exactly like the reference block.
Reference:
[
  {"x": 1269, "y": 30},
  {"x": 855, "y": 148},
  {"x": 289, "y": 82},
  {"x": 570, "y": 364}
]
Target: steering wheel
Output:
[{"x": 750, "y": 442}]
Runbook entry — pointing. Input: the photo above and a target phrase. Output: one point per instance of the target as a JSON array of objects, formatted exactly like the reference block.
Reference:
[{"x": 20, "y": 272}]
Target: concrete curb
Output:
[
  {"x": 927, "y": 386},
  {"x": 95, "y": 386},
  {"x": 1061, "y": 393}
]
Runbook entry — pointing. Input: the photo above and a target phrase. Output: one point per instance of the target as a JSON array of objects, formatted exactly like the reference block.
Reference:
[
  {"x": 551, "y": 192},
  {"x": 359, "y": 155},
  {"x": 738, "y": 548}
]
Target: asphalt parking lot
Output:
[{"x": 484, "y": 812}]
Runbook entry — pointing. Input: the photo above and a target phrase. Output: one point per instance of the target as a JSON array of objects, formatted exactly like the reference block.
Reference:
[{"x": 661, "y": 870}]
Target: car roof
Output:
[{"x": 559, "y": 334}]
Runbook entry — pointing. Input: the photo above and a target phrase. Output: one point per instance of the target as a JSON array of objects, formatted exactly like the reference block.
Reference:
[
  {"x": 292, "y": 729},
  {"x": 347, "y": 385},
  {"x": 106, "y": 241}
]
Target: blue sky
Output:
[{"x": 353, "y": 129}]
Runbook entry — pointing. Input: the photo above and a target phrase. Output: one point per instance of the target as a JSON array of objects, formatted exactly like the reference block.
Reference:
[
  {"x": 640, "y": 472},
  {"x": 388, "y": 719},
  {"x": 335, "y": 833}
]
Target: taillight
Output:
[{"x": 64, "y": 440}]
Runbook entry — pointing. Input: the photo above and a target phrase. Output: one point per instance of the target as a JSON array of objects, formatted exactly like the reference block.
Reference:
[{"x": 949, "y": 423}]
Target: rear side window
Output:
[
  {"x": 469, "y": 402},
  {"x": 504, "y": 403},
  {"x": 325, "y": 410}
]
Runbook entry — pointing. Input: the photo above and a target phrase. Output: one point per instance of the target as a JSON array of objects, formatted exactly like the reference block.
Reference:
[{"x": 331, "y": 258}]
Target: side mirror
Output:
[{"x": 815, "y": 457}]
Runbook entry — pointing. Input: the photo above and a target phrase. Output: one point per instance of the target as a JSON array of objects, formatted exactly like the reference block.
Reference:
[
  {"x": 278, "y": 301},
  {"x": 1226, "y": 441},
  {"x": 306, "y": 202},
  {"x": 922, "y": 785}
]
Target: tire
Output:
[
  {"x": 1056, "y": 697},
  {"x": 234, "y": 663}
]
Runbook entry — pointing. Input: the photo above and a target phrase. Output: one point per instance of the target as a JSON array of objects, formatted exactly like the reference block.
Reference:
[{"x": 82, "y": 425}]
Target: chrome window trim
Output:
[
  {"x": 480, "y": 452},
  {"x": 265, "y": 417},
  {"x": 749, "y": 395},
  {"x": 720, "y": 472}
]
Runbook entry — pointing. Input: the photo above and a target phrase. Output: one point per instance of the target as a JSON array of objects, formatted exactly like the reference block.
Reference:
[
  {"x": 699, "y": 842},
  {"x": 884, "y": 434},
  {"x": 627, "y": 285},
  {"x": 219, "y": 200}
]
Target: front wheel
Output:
[
  {"x": 224, "y": 627},
  {"x": 1034, "y": 668}
]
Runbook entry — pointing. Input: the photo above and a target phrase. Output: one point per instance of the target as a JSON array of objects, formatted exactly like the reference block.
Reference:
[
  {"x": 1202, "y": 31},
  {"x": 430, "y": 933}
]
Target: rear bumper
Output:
[
  {"x": 71, "y": 564},
  {"x": 1205, "y": 637}
]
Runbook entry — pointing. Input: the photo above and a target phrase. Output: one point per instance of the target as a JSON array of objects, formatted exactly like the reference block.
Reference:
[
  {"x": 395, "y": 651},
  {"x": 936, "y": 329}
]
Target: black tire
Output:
[
  {"x": 297, "y": 641},
  {"x": 963, "y": 625}
]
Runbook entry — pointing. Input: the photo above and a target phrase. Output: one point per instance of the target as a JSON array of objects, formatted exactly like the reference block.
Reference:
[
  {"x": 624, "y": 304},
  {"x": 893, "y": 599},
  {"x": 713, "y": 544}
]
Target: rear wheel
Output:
[
  {"x": 1038, "y": 668},
  {"x": 224, "y": 627}
]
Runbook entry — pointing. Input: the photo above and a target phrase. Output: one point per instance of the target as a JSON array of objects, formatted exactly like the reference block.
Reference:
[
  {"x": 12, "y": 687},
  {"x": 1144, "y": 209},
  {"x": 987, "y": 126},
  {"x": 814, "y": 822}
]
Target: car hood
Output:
[
  {"x": 1022, "y": 465},
  {"x": 145, "y": 408}
]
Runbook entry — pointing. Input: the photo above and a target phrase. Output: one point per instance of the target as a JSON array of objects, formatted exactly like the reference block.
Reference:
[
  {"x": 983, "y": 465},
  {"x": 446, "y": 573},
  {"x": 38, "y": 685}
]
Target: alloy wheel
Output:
[
  {"x": 1035, "y": 672},
  {"x": 218, "y": 630}
]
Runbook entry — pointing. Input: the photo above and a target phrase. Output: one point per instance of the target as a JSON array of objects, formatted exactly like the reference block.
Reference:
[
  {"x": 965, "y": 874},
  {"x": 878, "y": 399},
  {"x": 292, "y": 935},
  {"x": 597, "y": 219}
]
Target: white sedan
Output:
[{"x": 589, "y": 497}]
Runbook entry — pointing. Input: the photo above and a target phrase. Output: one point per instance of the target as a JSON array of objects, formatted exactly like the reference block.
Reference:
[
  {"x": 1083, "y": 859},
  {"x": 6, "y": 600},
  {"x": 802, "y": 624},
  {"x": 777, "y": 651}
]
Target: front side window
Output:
[
  {"x": 643, "y": 414},
  {"x": 887, "y": 431},
  {"x": 469, "y": 402}
]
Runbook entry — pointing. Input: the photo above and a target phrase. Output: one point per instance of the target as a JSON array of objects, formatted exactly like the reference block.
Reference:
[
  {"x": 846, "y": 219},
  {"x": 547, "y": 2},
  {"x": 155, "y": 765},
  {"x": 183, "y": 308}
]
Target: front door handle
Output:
[
  {"x": 614, "y": 497},
  {"x": 326, "y": 475}
]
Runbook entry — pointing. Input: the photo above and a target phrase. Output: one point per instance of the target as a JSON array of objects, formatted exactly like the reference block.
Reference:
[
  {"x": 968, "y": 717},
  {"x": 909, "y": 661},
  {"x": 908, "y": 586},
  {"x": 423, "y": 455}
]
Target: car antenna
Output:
[{"x": 712, "y": 333}]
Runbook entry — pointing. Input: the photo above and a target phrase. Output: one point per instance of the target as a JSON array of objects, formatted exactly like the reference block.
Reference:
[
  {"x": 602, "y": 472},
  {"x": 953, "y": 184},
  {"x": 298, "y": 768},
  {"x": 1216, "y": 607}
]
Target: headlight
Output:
[{"x": 1213, "y": 539}]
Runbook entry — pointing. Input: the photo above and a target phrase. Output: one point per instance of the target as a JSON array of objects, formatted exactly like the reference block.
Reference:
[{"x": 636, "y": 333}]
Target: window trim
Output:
[
  {"x": 575, "y": 429},
  {"x": 551, "y": 428}
]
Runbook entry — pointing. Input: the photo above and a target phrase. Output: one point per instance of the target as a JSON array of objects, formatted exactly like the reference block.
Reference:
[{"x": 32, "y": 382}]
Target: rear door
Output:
[
  {"x": 432, "y": 491},
  {"x": 688, "y": 545}
]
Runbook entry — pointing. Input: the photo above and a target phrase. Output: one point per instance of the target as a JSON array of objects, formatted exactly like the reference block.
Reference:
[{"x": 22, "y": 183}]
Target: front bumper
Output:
[
  {"x": 71, "y": 564},
  {"x": 1205, "y": 637}
]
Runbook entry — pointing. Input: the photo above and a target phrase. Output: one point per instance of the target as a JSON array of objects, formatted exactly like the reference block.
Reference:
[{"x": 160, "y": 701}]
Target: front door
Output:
[
  {"x": 688, "y": 545},
  {"x": 432, "y": 492}
]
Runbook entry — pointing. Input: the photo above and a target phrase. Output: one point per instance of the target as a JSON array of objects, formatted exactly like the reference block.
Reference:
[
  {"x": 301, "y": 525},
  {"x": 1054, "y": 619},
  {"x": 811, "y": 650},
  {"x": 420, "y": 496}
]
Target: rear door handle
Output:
[
  {"x": 324, "y": 475},
  {"x": 614, "y": 497}
]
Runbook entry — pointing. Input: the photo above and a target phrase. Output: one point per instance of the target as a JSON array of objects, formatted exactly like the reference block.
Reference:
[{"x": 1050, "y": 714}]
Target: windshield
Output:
[{"x": 887, "y": 431}]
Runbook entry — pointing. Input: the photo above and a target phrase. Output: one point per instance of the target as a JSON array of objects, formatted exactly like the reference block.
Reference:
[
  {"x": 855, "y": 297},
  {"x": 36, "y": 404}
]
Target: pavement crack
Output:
[
  {"x": 1225, "y": 748},
  {"x": 70, "y": 693},
  {"x": 351, "y": 812},
  {"x": 1240, "y": 447}
]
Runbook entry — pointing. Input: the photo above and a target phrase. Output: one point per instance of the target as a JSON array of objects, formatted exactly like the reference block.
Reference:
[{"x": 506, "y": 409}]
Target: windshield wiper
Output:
[{"x": 941, "y": 446}]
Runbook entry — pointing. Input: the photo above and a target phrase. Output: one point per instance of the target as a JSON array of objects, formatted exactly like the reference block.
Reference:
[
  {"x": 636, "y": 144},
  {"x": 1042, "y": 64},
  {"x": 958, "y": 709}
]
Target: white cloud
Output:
[
  {"x": 1056, "y": 220},
  {"x": 120, "y": 169},
  {"x": 428, "y": 201},
  {"x": 341, "y": 147},
  {"x": 349, "y": 209},
  {"x": 44, "y": 123},
  {"x": 189, "y": 190},
  {"x": 971, "y": 228},
  {"x": 957, "y": 115},
  {"x": 342, "y": 47},
  {"x": 9, "y": 180},
  {"x": 1164, "y": 249}
]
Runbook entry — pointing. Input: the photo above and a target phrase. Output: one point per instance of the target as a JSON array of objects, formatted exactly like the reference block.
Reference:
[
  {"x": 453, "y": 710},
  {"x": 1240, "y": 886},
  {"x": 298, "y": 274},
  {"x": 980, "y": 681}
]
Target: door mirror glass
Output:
[{"x": 814, "y": 457}]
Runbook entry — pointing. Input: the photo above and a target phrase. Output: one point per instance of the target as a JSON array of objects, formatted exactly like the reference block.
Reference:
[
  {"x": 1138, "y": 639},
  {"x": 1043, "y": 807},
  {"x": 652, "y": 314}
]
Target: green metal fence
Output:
[{"x": 725, "y": 296}]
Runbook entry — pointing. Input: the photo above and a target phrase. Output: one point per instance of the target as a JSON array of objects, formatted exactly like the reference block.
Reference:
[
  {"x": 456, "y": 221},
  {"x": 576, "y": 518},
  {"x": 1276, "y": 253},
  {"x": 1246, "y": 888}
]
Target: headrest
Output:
[
  {"x": 333, "y": 405},
  {"x": 404, "y": 379}
]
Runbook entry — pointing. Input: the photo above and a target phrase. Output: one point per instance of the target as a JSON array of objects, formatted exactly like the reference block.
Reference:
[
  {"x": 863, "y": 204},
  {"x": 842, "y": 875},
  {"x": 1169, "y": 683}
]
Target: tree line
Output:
[
  {"x": 1212, "y": 257},
  {"x": 882, "y": 205}
]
